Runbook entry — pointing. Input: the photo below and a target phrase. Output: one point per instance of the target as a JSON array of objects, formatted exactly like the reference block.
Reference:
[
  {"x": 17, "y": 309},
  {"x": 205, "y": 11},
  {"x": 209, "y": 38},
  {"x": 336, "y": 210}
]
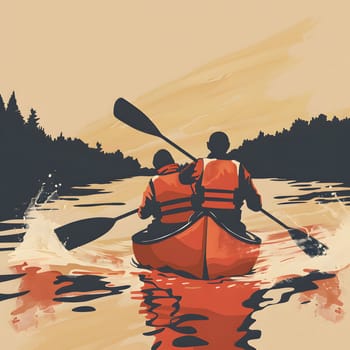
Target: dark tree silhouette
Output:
[
  {"x": 30, "y": 158},
  {"x": 315, "y": 150},
  {"x": 14, "y": 116},
  {"x": 2, "y": 106},
  {"x": 99, "y": 146},
  {"x": 33, "y": 120}
]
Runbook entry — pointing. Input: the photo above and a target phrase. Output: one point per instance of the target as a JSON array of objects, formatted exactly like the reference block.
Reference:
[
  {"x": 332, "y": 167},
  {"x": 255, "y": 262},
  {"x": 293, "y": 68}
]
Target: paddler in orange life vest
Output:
[
  {"x": 166, "y": 198},
  {"x": 221, "y": 184}
]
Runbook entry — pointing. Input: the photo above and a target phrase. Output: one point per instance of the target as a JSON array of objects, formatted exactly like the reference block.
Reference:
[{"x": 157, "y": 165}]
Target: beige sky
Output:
[{"x": 70, "y": 60}]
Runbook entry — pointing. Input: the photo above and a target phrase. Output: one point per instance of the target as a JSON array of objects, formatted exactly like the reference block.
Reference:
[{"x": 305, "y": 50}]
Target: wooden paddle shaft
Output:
[
  {"x": 178, "y": 147},
  {"x": 274, "y": 219},
  {"x": 125, "y": 215}
]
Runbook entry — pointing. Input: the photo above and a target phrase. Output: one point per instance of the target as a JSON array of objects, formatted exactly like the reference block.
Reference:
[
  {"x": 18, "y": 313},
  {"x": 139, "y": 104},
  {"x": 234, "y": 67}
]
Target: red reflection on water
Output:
[
  {"x": 193, "y": 313},
  {"x": 45, "y": 289},
  {"x": 326, "y": 299},
  {"x": 41, "y": 287}
]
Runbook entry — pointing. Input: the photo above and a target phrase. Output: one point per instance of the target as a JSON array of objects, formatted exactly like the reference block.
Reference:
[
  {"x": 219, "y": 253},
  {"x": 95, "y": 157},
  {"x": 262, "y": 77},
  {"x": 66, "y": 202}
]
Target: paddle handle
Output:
[
  {"x": 125, "y": 215},
  {"x": 274, "y": 219},
  {"x": 178, "y": 147}
]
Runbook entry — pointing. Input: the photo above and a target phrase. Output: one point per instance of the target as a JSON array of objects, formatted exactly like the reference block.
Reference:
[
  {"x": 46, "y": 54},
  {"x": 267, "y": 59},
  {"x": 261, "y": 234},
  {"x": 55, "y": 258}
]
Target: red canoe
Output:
[{"x": 203, "y": 248}]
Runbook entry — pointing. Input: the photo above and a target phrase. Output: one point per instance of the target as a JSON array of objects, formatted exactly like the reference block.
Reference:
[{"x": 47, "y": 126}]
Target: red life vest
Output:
[
  {"x": 219, "y": 182},
  {"x": 172, "y": 197}
]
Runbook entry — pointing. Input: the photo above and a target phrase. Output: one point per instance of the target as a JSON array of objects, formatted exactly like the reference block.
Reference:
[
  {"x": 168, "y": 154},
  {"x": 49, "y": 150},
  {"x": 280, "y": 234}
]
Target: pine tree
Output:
[
  {"x": 12, "y": 106},
  {"x": 60, "y": 137},
  {"x": 2, "y": 106},
  {"x": 33, "y": 119},
  {"x": 2, "y": 116},
  {"x": 14, "y": 115}
]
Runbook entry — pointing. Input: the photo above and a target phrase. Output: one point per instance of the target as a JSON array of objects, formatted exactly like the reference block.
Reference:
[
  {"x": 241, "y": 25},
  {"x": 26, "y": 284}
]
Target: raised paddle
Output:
[
  {"x": 132, "y": 116},
  {"x": 80, "y": 232},
  {"x": 310, "y": 245}
]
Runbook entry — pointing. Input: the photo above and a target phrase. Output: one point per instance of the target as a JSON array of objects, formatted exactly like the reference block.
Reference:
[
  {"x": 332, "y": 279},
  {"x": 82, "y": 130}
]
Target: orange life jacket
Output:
[
  {"x": 219, "y": 182},
  {"x": 172, "y": 197}
]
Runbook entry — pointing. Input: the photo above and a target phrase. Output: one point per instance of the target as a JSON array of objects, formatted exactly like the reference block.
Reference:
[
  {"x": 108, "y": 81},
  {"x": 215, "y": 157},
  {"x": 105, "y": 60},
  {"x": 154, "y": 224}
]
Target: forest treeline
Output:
[
  {"x": 29, "y": 157},
  {"x": 309, "y": 150}
]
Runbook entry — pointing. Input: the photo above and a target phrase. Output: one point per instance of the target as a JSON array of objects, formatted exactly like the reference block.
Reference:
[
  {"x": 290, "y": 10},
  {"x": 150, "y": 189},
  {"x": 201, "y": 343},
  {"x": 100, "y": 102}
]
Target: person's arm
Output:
[
  {"x": 191, "y": 173},
  {"x": 251, "y": 195},
  {"x": 146, "y": 208}
]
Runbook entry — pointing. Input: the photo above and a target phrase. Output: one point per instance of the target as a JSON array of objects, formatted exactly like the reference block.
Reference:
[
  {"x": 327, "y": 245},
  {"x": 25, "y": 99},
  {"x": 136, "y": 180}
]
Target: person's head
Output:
[
  {"x": 218, "y": 143},
  {"x": 162, "y": 158}
]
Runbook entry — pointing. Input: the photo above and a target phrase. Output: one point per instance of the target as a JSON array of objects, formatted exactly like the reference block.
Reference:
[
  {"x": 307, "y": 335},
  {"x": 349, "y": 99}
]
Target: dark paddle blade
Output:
[
  {"x": 132, "y": 116},
  {"x": 310, "y": 245},
  {"x": 80, "y": 232}
]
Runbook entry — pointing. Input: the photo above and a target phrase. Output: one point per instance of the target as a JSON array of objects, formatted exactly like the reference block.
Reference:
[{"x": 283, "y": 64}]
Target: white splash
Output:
[{"x": 41, "y": 247}]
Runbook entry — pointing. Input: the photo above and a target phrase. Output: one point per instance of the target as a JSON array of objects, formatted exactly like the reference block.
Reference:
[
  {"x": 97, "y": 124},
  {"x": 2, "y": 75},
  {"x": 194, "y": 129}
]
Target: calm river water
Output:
[{"x": 94, "y": 297}]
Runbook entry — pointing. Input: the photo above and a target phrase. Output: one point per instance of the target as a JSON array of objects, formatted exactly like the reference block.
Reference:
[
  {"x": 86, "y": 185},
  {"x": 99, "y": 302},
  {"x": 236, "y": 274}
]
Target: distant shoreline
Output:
[
  {"x": 31, "y": 159},
  {"x": 308, "y": 151}
]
